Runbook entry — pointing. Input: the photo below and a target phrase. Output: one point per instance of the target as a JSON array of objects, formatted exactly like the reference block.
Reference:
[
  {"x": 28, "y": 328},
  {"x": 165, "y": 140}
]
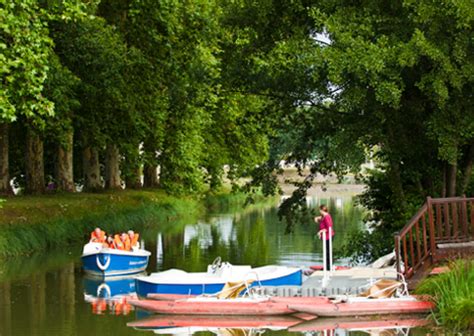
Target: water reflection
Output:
[
  {"x": 110, "y": 295},
  {"x": 250, "y": 325},
  {"x": 237, "y": 237}
]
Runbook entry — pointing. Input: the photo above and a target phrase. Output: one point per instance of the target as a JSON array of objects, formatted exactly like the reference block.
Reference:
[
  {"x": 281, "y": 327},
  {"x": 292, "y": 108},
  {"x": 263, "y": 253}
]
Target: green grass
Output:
[
  {"x": 32, "y": 224},
  {"x": 453, "y": 293}
]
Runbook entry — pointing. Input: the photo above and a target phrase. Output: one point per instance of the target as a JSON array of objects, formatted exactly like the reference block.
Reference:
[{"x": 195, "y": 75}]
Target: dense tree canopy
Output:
[{"x": 180, "y": 94}]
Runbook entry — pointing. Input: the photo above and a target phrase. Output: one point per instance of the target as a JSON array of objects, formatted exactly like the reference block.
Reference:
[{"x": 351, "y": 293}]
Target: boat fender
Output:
[
  {"x": 104, "y": 286},
  {"x": 102, "y": 267}
]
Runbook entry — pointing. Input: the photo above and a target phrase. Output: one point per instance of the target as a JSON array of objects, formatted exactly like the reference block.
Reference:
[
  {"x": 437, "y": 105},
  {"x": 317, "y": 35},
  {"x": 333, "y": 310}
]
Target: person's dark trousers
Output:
[{"x": 328, "y": 259}]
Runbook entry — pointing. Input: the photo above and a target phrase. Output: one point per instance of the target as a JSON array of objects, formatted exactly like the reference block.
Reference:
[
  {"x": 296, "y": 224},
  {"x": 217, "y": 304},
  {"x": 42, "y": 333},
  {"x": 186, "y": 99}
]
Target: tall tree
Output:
[
  {"x": 97, "y": 55},
  {"x": 25, "y": 47}
]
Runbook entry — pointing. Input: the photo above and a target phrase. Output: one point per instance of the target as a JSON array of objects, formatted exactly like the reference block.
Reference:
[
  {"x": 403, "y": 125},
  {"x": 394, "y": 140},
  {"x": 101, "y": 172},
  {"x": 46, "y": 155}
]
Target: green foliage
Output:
[
  {"x": 453, "y": 293},
  {"x": 374, "y": 75},
  {"x": 25, "y": 48}
]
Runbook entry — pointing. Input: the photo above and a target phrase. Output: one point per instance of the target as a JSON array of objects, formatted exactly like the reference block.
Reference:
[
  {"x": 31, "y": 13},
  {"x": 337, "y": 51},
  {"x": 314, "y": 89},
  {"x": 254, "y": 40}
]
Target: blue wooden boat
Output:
[
  {"x": 176, "y": 281},
  {"x": 102, "y": 261}
]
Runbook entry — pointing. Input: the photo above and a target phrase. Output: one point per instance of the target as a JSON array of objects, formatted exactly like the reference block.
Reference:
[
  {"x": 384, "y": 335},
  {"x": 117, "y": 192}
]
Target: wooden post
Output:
[
  {"x": 418, "y": 240},
  {"x": 454, "y": 214},
  {"x": 464, "y": 220},
  {"x": 412, "y": 249},
  {"x": 425, "y": 239},
  {"x": 432, "y": 229},
  {"x": 472, "y": 219}
]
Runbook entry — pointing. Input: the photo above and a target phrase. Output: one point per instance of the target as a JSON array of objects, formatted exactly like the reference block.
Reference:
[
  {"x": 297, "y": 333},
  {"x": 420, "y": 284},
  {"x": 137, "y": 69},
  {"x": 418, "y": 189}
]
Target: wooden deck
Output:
[{"x": 442, "y": 229}]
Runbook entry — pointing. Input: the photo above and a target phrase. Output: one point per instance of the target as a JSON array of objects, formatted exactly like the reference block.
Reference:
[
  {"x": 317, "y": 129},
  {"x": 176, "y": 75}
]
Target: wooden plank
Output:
[
  {"x": 425, "y": 239},
  {"x": 455, "y": 219},
  {"x": 439, "y": 225},
  {"x": 432, "y": 228},
  {"x": 405, "y": 254},
  {"x": 421, "y": 262},
  {"x": 464, "y": 220},
  {"x": 451, "y": 199},
  {"x": 412, "y": 248},
  {"x": 472, "y": 219},
  {"x": 447, "y": 222},
  {"x": 418, "y": 241}
]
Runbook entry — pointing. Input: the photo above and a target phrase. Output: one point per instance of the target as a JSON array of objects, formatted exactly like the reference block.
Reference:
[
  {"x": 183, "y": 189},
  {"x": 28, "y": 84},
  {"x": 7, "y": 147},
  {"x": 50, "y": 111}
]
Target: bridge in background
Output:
[{"x": 443, "y": 228}]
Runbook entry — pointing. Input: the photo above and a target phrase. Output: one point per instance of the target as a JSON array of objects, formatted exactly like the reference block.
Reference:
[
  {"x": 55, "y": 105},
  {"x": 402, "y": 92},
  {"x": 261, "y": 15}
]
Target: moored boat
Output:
[
  {"x": 214, "y": 306},
  {"x": 360, "y": 306},
  {"x": 316, "y": 306},
  {"x": 176, "y": 281},
  {"x": 103, "y": 261}
]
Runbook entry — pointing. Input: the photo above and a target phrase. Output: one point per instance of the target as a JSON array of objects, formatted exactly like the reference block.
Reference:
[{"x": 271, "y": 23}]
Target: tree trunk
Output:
[
  {"x": 451, "y": 177},
  {"x": 132, "y": 168},
  {"x": 91, "y": 166},
  {"x": 112, "y": 167},
  {"x": 34, "y": 163},
  {"x": 134, "y": 181},
  {"x": 467, "y": 174},
  {"x": 150, "y": 168},
  {"x": 5, "y": 187},
  {"x": 150, "y": 176},
  {"x": 64, "y": 165},
  {"x": 396, "y": 181},
  {"x": 394, "y": 172}
]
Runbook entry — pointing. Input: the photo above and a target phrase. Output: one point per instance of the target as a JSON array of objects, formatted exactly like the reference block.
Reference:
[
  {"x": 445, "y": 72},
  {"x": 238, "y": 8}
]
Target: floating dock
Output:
[{"x": 343, "y": 282}]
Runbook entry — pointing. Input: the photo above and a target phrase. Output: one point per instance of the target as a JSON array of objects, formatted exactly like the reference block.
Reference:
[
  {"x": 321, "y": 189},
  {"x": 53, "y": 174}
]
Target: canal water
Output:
[{"x": 50, "y": 295}]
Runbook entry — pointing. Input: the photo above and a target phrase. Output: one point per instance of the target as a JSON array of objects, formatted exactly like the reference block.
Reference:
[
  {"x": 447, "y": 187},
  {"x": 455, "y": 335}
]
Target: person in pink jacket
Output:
[{"x": 325, "y": 222}]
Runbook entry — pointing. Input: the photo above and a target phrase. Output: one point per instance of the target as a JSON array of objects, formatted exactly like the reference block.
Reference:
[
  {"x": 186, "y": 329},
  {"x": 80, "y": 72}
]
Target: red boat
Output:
[
  {"x": 208, "y": 321},
  {"x": 203, "y": 306},
  {"x": 353, "y": 323},
  {"x": 317, "y": 306},
  {"x": 364, "y": 306}
]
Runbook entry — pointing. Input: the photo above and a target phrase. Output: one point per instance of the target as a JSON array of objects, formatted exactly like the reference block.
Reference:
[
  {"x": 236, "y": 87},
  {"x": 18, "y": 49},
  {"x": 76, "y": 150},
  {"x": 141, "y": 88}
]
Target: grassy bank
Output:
[
  {"x": 31, "y": 224},
  {"x": 453, "y": 293}
]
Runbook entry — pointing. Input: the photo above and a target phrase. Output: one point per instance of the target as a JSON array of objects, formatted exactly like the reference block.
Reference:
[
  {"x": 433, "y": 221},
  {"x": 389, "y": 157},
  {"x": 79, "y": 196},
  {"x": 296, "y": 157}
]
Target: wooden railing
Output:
[{"x": 439, "y": 220}]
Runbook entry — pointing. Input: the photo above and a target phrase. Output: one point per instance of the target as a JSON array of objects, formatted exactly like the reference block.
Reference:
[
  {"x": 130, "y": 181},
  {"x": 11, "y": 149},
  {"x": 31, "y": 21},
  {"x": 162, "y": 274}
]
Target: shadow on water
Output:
[{"x": 49, "y": 295}]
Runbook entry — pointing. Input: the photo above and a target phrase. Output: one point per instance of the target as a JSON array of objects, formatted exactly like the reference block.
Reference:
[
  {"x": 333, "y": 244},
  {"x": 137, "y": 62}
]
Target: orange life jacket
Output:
[
  {"x": 122, "y": 245},
  {"x": 134, "y": 241},
  {"x": 118, "y": 243},
  {"x": 100, "y": 238}
]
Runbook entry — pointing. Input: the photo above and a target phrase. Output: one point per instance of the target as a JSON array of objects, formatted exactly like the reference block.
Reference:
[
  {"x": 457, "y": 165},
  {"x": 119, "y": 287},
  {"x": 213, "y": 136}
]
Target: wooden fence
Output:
[{"x": 438, "y": 221}]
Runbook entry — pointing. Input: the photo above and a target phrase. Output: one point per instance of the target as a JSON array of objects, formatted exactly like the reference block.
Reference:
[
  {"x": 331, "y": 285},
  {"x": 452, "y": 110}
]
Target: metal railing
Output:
[{"x": 439, "y": 220}]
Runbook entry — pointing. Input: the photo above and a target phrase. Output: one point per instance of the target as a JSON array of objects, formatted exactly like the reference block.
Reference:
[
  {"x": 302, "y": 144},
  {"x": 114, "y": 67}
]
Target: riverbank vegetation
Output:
[
  {"x": 453, "y": 293},
  {"x": 31, "y": 224},
  {"x": 181, "y": 94}
]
